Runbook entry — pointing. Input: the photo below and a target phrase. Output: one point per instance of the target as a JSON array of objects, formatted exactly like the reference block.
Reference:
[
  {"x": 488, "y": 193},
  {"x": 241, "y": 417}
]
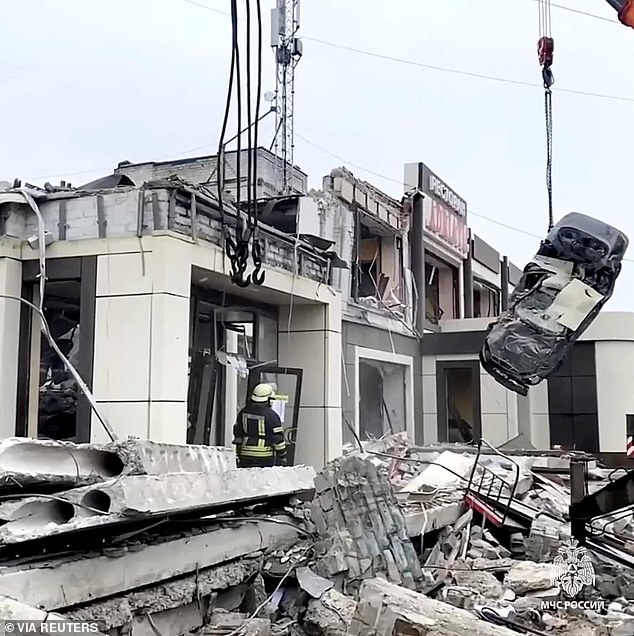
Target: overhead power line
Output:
[
  {"x": 399, "y": 182},
  {"x": 584, "y": 13},
  {"x": 445, "y": 69},
  {"x": 395, "y": 59}
]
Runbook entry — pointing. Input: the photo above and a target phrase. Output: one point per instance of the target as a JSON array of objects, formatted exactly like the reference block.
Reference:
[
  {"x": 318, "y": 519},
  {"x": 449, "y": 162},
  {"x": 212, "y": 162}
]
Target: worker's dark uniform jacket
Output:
[{"x": 259, "y": 437}]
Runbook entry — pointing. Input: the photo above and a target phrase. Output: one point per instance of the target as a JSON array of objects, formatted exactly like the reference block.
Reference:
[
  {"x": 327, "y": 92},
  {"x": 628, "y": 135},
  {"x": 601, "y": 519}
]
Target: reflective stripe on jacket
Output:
[{"x": 258, "y": 432}]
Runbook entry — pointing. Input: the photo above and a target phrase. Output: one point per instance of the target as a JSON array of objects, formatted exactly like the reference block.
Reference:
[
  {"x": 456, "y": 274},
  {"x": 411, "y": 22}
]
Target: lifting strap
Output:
[{"x": 545, "y": 51}]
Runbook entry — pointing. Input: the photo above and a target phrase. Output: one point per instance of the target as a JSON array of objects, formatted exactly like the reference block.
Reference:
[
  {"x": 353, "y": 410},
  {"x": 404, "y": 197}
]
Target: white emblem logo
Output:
[{"x": 573, "y": 569}]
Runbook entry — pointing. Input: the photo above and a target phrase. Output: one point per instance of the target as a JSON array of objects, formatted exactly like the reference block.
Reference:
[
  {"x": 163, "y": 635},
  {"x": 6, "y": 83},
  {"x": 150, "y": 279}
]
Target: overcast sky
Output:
[{"x": 87, "y": 84}]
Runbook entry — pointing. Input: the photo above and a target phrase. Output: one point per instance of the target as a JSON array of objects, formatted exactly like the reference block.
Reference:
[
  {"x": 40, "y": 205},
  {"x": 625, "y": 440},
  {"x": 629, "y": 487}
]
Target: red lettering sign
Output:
[{"x": 441, "y": 221}]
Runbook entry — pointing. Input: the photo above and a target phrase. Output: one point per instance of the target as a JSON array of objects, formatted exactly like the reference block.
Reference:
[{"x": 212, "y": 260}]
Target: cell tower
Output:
[{"x": 288, "y": 51}]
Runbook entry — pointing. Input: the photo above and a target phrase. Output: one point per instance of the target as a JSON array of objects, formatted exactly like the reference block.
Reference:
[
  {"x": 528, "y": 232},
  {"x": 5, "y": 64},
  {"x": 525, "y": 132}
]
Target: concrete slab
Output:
[
  {"x": 25, "y": 461},
  {"x": 436, "y": 475},
  {"x": 12, "y": 610},
  {"x": 433, "y": 518},
  {"x": 385, "y": 608},
  {"x": 62, "y": 584},
  {"x": 147, "y": 495},
  {"x": 144, "y": 457},
  {"x": 115, "y": 612}
]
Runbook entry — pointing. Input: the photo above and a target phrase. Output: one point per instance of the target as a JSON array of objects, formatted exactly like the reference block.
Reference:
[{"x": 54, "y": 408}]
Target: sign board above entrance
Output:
[{"x": 447, "y": 226}]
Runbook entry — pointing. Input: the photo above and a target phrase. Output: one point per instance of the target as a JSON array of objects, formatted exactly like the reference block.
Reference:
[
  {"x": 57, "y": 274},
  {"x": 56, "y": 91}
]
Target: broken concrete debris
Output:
[{"x": 153, "y": 539}]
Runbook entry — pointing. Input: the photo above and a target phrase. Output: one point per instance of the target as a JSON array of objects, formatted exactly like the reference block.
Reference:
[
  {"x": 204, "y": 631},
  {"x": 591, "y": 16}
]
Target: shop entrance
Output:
[
  {"x": 287, "y": 385},
  {"x": 227, "y": 339}
]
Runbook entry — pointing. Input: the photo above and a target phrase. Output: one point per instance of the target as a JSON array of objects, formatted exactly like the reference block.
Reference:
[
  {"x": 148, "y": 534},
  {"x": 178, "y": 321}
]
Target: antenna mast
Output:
[{"x": 288, "y": 51}]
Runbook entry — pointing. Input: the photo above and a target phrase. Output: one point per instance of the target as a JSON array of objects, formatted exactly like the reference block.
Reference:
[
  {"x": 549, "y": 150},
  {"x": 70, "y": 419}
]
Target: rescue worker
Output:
[{"x": 258, "y": 432}]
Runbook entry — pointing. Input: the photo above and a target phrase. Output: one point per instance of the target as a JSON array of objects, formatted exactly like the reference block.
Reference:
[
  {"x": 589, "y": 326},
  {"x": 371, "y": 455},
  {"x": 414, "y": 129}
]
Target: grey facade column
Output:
[
  {"x": 504, "y": 283},
  {"x": 467, "y": 274},
  {"x": 417, "y": 257}
]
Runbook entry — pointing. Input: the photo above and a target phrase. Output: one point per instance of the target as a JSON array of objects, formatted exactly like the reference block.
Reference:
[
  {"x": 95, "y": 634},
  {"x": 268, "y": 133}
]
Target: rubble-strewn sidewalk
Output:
[{"x": 166, "y": 540}]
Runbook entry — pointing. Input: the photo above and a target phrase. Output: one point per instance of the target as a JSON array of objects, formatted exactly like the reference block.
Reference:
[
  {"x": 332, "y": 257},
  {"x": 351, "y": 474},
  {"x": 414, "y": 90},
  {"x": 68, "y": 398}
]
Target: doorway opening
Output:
[
  {"x": 228, "y": 337},
  {"x": 458, "y": 395}
]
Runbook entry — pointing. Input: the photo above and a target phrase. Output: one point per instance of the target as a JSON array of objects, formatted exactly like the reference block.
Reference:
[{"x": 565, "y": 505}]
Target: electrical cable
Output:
[
  {"x": 236, "y": 46},
  {"x": 584, "y": 13},
  {"x": 445, "y": 69},
  {"x": 257, "y": 275},
  {"x": 249, "y": 117}
]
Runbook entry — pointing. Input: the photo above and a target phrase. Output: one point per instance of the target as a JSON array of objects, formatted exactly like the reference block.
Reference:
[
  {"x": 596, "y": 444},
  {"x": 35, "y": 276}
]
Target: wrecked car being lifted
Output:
[{"x": 560, "y": 293}]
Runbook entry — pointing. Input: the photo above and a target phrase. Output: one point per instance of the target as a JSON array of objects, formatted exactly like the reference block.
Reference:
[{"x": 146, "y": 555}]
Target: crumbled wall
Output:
[
  {"x": 362, "y": 527},
  {"x": 336, "y": 223},
  {"x": 121, "y": 208}
]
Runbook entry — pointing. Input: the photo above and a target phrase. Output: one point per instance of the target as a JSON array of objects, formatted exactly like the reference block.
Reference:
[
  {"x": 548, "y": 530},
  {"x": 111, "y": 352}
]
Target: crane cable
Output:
[
  {"x": 545, "y": 51},
  {"x": 237, "y": 250}
]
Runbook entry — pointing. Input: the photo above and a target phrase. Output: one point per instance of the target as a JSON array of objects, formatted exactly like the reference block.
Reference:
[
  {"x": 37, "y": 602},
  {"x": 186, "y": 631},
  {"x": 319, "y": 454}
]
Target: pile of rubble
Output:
[{"x": 161, "y": 539}]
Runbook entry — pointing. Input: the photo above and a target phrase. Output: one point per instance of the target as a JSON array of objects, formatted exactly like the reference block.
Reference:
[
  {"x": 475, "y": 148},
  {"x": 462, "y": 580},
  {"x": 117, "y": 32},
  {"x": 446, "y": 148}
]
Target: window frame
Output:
[
  {"x": 84, "y": 269},
  {"x": 363, "y": 353}
]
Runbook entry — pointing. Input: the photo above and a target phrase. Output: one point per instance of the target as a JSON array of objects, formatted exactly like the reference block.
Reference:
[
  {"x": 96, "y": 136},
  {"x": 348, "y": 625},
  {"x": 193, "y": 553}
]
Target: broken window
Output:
[
  {"x": 57, "y": 390},
  {"x": 441, "y": 289},
  {"x": 378, "y": 273},
  {"x": 486, "y": 300},
  {"x": 382, "y": 399}
]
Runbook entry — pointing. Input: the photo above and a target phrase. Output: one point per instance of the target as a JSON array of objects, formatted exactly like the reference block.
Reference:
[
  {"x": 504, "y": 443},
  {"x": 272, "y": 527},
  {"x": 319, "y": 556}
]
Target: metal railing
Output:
[{"x": 497, "y": 498}]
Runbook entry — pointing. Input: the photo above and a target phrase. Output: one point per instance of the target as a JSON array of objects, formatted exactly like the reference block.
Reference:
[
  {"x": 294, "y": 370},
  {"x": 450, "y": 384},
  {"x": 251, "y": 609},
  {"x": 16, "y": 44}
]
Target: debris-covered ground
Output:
[{"x": 165, "y": 540}]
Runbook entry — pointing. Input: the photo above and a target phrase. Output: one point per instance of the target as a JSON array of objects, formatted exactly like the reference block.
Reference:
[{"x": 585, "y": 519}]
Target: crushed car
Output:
[{"x": 559, "y": 294}]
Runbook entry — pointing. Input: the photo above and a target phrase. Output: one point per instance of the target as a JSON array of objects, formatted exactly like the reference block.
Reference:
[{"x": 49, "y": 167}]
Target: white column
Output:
[
  {"x": 141, "y": 342},
  {"x": 314, "y": 345},
  {"x": 10, "y": 284}
]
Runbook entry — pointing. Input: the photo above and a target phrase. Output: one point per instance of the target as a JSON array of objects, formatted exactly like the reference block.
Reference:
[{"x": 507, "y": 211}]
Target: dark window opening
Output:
[
  {"x": 58, "y": 391},
  {"x": 458, "y": 396},
  {"x": 461, "y": 414},
  {"x": 368, "y": 276},
  {"x": 572, "y": 401},
  {"x": 486, "y": 301},
  {"x": 433, "y": 312},
  {"x": 382, "y": 399}
]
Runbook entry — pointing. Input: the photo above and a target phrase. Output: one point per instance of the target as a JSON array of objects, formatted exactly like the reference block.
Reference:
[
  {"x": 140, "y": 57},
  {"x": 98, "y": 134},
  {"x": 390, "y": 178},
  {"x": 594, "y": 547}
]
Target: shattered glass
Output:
[{"x": 560, "y": 293}]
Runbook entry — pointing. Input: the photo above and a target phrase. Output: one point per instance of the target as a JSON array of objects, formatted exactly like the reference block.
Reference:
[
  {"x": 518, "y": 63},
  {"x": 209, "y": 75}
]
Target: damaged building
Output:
[
  {"x": 138, "y": 296},
  {"x": 368, "y": 323}
]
